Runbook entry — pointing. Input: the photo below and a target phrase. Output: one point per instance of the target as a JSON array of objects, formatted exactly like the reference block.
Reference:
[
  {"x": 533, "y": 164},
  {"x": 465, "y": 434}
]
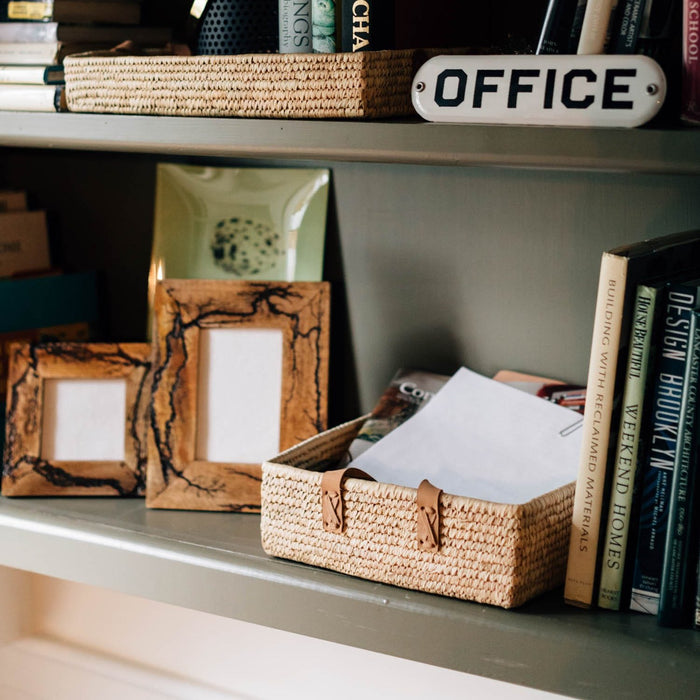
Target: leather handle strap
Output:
[
  {"x": 331, "y": 496},
  {"x": 427, "y": 506},
  {"x": 428, "y": 517}
]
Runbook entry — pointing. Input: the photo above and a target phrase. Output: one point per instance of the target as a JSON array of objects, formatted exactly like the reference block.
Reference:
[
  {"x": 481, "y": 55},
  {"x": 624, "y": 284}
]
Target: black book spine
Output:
[
  {"x": 367, "y": 25},
  {"x": 556, "y": 28}
]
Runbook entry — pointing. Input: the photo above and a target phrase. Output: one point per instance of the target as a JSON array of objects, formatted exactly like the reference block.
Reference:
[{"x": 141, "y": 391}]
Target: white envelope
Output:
[{"x": 484, "y": 439}]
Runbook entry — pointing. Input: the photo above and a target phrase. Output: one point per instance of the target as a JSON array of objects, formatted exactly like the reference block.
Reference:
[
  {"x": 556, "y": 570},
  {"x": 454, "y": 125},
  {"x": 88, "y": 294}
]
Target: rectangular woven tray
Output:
[
  {"x": 371, "y": 84},
  {"x": 490, "y": 553}
]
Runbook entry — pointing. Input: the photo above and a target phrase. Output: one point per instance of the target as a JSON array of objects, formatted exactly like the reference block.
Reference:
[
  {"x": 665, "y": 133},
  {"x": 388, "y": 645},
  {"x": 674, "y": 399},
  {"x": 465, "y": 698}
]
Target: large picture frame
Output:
[
  {"x": 297, "y": 313},
  {"x": 27, "y": 469}
]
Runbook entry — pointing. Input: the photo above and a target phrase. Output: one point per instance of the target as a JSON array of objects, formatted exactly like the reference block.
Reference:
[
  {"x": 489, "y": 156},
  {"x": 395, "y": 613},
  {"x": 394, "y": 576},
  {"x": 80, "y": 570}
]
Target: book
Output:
[
  {"x": 617, "y": 530},
  {"x": 323, "y": 26},
  {"x": 677, "y": 593},
  {"x": 46, "y": 308},
  {"x": 24, "y": 241},
  {"x": 32, "y": 75},
  {"x": 575, "y": 33},
  {"x": 43, "y": 53},
  {"x": 367, "y": 25},
  {"x": 690, "y": 68},
  {"x": 555, "y": 36},
  {"x": 76, "y": 11},
  {"x": 294, "y": 26},
  {"x": 658, "y": 464},
  {"x": 32, "y": 98},
  {"x": 621, "y": 270},
  {"x": 408, "y": 391},
  {"x": 108, "y": 34},
  {"x": 594, "y": 30},
  {"x": 13, "y": 200},
  {"x": 630, "y": 14}
]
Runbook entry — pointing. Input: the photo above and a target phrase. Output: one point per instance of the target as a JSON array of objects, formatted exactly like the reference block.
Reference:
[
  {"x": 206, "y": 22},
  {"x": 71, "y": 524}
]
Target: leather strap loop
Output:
[
  {"x": 428, "y": 517},
  {"x": 332, "y": 498}
]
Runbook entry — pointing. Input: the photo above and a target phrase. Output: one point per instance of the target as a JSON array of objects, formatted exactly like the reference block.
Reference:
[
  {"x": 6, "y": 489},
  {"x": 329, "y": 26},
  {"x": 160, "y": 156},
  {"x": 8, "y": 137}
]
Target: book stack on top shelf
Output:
[
  {"x": 36, "y": 36},
  {"x": 634, "y": 537}
]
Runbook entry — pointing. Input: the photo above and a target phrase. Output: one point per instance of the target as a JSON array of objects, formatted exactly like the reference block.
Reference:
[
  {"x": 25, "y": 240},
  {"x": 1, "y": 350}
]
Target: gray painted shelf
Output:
[
  {"x": 617, "y": 150},
  {"x": 214, "y": 562}
]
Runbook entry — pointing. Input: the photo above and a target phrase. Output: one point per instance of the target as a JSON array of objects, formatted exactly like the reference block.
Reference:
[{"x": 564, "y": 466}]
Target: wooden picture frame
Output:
[
  {"x": 26, "y": 470},
  {"x": 176, "y": 477}
]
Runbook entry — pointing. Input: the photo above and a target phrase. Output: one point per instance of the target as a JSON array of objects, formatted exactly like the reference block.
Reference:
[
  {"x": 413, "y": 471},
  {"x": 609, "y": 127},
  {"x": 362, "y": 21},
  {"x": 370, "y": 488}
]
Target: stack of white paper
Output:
[{"x": 484, "y": 439}]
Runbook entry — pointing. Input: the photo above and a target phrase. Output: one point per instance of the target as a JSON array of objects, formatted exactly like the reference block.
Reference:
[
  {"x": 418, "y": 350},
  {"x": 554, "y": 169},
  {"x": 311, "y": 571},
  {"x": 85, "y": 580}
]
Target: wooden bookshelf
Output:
[
  {"x": 615, "y": 150},
  {"x": 446, "y": 243},
  {"x": 213, "y": 562}
]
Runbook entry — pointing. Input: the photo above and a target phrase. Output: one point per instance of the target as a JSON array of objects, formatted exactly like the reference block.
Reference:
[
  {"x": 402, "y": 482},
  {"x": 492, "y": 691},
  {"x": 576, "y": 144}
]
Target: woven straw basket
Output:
[
  {"x": 486, "y": 552},
  {"x": 341, "y": 85}
]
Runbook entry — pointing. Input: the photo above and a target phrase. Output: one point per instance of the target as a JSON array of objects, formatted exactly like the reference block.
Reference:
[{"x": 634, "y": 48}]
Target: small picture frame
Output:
[
  {"x": 240, "y": 374},
  {"x": 76, "y": 419}
]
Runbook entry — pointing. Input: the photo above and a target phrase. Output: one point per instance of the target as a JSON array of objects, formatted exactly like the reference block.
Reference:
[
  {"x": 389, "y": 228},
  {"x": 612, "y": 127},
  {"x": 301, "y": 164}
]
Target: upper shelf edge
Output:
[{"x": 642, "y": 150}]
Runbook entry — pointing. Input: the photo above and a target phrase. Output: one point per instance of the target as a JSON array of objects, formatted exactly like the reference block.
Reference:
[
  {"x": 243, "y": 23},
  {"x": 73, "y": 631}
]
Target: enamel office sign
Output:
[{"x": 555, "y": 90}]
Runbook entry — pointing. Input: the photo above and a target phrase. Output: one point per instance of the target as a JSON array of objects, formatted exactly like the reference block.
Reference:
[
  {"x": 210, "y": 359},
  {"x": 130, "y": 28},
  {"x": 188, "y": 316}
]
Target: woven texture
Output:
[
  {"x": 342, "y": 85},
  {"x": 490, "y": 553}
]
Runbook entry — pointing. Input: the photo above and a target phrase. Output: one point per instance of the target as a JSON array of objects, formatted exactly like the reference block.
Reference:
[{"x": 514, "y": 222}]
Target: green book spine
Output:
[
  {"x": 676, "y": 596},
  {"x": 612, "y": 566},
  {"x": 323, "y": 26}
]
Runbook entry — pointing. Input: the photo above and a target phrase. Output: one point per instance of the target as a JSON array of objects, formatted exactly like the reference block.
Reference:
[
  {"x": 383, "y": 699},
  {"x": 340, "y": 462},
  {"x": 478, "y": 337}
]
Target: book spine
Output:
[
  {"x": 28, "y": 53},
  {"x": 28, "y": 31},
  {"x": 658, "y": 462},
  {"x": 32, "y": 98},
  {"x": 294, "y": 26},
  {"x": 594, "y": 30},
  {"x": 556, "y": 28},
  {"x": 590, "y": 484},
  {"x": 626, "y": 454},
  {"x": 690, "y": 71},
  {"x": 575, "y": 33},
  {"x": 323, "y": 26},
  {"x": 31, "y": 75},
  {"x": 675, "y": 602},
  {"x": 627, "y": 25},
  {"x": 32, "y": 11},
  {"x": 367, "y": 25}
]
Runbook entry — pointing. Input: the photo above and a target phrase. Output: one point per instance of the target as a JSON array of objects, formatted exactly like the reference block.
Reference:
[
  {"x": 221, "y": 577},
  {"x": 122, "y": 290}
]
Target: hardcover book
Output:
[
  {"x": 555, "y": 37},
  {"x": 108, "y": 34},
  {"x": 677, "y": 594},
  {"x": 628, "y": 21},
  {"x": 594, "y": 30},
  {"x": 367, "y": 25},
  {"x": 13, "y": 200},
  {"x": 32, "y": 98},
  {"x": 77, "y": 11},
  {"x": 32, "y": 75},
  {"x": 660, "y": 461},
  {"x": 294, "y": 26},
  {"x": 24, "y": 238},
  {"x": 632, "y": 418},
  {"x": 621, "y": 270},
  {"x": 690, "y": 69},
  {"x": 323, "y": 26}
]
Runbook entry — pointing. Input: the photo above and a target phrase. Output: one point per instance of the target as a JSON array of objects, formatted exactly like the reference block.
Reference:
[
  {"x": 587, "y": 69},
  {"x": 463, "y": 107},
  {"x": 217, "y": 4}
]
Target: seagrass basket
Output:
[
  {"x": 486, "y": 552},
  {"x": 371, "y": 84}
]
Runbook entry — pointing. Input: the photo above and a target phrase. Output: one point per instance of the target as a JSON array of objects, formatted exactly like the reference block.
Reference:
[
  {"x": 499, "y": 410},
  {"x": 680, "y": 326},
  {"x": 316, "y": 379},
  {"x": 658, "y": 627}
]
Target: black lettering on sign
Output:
[
  {"x": 611, "y": 87},
  {"x": 566, "y": 98},
  {"x": 440, "y": 98}
]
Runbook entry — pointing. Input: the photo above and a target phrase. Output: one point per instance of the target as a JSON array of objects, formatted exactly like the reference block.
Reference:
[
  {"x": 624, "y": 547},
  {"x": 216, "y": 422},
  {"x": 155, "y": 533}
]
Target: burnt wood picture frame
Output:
[
  {"x": 37, "y": 371},
  {"x": 293, "y": 320}
]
